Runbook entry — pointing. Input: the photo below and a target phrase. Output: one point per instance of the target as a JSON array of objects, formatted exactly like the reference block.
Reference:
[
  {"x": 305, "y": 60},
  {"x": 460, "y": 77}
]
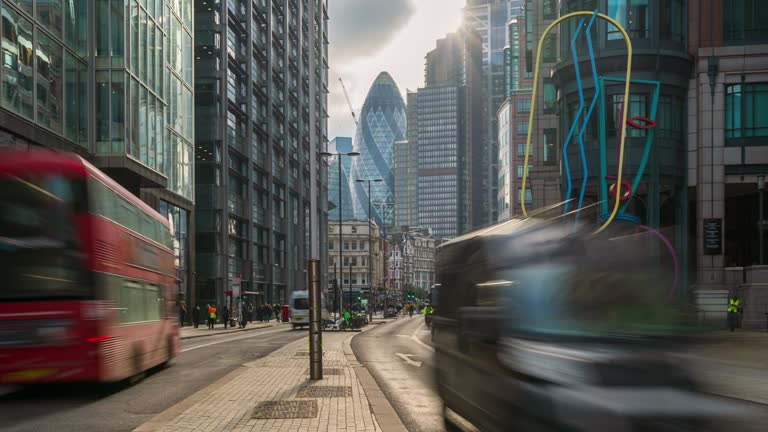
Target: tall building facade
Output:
[
  {"x": 261, "y": 72},
  {"x": 727, "y": 162},
  {"x": 342, "y": 145},
  {"x": 382, "y": 122},
  {"x": 113, "y": 83},
  {"x": 406, "y": 171},
  {"x": 443, "y": 133},
  {"x": 355, "y": 273},
  {"x": 543, "y": 177},
  {"x": 339, "y": 192},
  {"x": 490, "y": 19}
]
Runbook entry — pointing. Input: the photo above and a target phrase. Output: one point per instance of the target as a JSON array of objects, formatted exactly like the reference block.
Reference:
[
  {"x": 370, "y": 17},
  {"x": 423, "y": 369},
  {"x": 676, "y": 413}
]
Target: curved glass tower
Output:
[{"x": 382, "y": 122}]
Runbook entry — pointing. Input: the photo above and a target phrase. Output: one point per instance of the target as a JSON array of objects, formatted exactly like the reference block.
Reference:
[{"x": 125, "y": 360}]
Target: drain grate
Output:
[
  {"x": 324, "y": 392},
  {"x": 291, "y": 409}
]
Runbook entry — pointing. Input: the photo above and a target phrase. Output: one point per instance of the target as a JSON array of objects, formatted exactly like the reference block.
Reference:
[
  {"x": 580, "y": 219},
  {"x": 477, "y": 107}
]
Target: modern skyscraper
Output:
[
  {"x": 442, "y": 131},
  {"x": 382, "y": 122},
  {"x": 342, "y": 145},
  {"x": 347, "y": 209},
  {"x": 262, "y": 75},
  {"x": 112, "y": 83},
  {"x": 406, "y": 170},
  {"x": 489, "y": 18}
]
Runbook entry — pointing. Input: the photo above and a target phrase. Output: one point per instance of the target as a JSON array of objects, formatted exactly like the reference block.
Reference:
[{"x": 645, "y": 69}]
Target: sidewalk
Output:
[
  {"x": 190, "y": 332},
  {"x": 275, "y": 394},
  {"x": 734, "y": 365}
]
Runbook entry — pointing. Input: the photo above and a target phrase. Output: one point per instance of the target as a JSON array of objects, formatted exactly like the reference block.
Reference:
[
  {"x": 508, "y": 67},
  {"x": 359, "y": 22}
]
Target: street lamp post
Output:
[
  {"x": 384, "y": 206},
  {"x": 339, "y": 155},
  {"x": 370, "y": 247},
  {"x": 760, "y": 222}
]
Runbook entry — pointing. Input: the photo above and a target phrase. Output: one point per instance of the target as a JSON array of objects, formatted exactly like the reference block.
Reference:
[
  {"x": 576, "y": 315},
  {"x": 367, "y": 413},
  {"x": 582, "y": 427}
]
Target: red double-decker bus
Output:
[{"x": 86, "y": 274}]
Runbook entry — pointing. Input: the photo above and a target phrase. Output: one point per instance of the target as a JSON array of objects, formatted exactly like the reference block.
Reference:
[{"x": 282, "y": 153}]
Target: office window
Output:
[
  {"x": 528, "y": 195},
  {"x": 523, "y": 106},
  {"x": 50, "y": 82},
  {"x": 520, "y": 170},
  {"x": 521, "y": 149},
  {"x": 362, "y": 244},
  {"x": 549, "y": 49},
  {"x": 17, "y": 67},
  {"x": 330, "y": 245},
  {"x": 745, "y": 105},
  {"x": 522, "y": 128},
  {"x": 638, "y": 106},
  {"x": 745, "y": 20},
  {"x": 346, "y": 245},
  {"x": 354, "y": 261},
  {"x": 550, "y": 146},
  {"x": 672, "y": 20},
  {"x": 550, "y": 96},
  {"x": 549, "y": 9},
  {"x": 354, "y": 245},
  {"x": 633, "y": 15}
]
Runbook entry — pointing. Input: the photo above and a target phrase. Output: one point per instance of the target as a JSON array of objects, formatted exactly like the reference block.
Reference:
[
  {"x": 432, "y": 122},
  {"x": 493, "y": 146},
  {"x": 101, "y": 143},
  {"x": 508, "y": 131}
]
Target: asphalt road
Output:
[
  {"x": 407, "y": 384},
  {"x": 99, "y": 409}
]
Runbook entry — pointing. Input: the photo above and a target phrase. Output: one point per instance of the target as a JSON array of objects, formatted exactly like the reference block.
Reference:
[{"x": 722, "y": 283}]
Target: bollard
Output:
[{"x": 315, "y": 317}]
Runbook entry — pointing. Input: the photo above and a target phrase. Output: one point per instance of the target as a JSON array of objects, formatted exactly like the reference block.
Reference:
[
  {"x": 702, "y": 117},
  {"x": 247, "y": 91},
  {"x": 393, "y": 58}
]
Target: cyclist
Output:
[{"x": 428, "y": 311}]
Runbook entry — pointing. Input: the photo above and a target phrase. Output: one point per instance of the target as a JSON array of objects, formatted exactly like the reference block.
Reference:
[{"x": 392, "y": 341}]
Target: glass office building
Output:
[
  {"x": 111, "y": 81},
  {"x": 382, "y": 122},
  {"x": 261, "y": 79}
]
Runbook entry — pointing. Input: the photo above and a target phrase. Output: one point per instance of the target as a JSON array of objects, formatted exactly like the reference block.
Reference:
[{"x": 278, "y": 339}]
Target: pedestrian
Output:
[
  {"x": 196, "y": 316},
  {"x": 734, "y": 307},
  {"x": 276, "y": 308},
  {"x": 225, "y": 316},
  {"x": 211, "y": 317},
  {"x": 182, "y": 314},
  {"x": 250, "y": 313}
]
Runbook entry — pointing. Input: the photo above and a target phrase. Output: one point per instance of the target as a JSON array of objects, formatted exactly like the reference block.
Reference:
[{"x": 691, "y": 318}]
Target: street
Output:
[
  {"x": 90, "y": 408},
  {"x": 399, "y": 357}
]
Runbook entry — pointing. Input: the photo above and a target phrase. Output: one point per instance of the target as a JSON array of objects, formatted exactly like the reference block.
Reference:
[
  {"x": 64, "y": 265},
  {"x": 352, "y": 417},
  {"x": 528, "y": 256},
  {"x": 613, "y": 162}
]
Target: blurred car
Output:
[{"x": 541, "y": 326}]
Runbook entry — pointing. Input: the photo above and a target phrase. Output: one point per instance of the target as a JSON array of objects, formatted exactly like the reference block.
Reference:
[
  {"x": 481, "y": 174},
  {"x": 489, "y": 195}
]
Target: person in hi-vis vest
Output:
[{"x": 734, "y": 309}]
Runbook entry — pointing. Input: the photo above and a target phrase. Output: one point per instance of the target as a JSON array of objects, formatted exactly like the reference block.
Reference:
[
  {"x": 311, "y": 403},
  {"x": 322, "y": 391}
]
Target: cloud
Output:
[{"x": 362, "y": 27}]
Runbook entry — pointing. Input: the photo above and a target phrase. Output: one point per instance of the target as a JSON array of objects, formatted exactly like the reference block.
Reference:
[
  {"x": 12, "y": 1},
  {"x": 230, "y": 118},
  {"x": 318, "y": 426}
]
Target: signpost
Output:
[{"x": 713, "y": 236}]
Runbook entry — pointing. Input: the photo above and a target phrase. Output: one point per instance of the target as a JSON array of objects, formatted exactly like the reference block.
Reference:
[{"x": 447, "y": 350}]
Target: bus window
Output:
[{"x": 39, "y": 247}]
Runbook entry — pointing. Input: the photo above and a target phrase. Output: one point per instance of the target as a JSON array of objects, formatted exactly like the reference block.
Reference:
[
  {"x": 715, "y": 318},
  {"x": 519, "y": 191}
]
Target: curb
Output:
[
  {"x": 385, "y": 414},
  {"x": 226, "y": 332}
]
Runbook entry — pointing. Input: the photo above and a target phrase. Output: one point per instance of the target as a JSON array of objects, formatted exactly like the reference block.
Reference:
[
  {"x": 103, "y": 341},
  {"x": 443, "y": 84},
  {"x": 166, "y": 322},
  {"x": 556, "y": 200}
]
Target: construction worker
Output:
[{"x": 734, "y": 306}]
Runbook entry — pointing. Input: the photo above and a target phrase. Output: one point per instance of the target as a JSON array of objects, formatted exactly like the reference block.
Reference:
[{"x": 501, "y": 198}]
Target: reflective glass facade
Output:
[
  {"x": 382, "y": 122},
  {"x": 261, "y": 78},
  {"x": 44, "y": 68}
]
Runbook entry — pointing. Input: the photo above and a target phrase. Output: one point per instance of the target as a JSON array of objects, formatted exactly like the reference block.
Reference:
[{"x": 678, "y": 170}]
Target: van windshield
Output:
[
  {"x": 560, "y": 300},
  {"x": 301, "y": 303}
]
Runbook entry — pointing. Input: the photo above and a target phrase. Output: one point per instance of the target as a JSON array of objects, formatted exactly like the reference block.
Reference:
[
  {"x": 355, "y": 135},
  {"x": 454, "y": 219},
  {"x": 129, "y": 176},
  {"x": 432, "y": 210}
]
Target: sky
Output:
[{"x": 370, "y": 36}]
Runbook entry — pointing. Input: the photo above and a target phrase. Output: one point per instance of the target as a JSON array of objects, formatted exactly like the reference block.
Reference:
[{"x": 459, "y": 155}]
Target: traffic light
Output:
[
  {"x": 245, "y": 297},
  {"x": 359, "y": 298}
]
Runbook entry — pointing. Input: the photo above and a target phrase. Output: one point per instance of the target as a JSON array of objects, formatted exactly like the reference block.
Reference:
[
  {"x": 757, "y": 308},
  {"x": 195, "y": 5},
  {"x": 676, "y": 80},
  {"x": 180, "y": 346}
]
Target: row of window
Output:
[{"x": 349, "y": 245}]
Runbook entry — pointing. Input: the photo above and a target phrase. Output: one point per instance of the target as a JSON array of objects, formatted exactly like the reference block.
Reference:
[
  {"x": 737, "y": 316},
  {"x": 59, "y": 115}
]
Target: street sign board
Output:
[{"x": 713, "y": 236}]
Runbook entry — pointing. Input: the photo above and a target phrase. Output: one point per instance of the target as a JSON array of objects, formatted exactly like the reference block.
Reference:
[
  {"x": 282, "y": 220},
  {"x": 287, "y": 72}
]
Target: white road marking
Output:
[
  {"x": 418, "y": 341},
  {"x": 407, "y": 358},
  {"x": 255, "y": 333}
]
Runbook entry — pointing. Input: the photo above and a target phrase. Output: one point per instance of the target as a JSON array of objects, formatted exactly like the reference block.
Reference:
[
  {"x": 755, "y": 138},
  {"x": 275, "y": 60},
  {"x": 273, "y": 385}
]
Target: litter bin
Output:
[{"x": 286, "y": 313}]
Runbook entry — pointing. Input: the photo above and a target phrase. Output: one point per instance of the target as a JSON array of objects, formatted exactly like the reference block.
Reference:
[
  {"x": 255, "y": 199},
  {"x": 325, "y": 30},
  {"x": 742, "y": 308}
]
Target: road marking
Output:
[
  {"x": 407, "y": 358},
  {"x": 231, "y": 339},
  {"x": 418, "y": 341}
]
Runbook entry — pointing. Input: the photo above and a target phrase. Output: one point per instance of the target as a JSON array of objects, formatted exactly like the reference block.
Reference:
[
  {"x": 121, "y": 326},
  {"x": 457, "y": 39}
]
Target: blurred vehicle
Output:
[
  {"x": 391, "y": 312},
  {"x": 87, "y": 275},
  {"x": 299, "y": 309},
  {"x": 541, "y": 326}
]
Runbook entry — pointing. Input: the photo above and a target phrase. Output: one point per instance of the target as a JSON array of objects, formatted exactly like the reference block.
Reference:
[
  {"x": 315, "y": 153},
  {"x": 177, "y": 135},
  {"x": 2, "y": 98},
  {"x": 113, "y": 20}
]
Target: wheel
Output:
[
  {"x": 169, "y": 355},
  {"x": 138, "y": 372}
]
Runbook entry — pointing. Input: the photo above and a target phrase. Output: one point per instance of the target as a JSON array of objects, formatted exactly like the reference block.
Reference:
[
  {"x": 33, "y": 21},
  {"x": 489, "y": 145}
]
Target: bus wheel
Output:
[
  {"x": 169, "y": 355},
  {"x": 138, "y": 372}
]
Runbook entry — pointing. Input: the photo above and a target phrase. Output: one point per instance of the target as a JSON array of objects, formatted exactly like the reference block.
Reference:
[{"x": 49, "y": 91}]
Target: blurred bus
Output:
[{"x": 87, "y": 274}]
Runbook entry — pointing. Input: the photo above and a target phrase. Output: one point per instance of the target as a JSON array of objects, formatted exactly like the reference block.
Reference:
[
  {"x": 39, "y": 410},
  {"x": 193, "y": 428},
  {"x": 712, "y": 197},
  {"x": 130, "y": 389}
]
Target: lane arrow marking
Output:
[{"x": 407, "y": 358}]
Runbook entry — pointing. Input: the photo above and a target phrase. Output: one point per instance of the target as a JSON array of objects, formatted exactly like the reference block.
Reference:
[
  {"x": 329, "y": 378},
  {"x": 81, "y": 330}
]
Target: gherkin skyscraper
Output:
[{"x": 382, "y": 122}]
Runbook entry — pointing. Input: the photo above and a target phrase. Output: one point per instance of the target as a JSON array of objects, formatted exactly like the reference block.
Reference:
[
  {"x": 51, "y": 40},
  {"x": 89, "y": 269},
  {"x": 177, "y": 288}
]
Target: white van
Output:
[{"x": 300, "y": 309}]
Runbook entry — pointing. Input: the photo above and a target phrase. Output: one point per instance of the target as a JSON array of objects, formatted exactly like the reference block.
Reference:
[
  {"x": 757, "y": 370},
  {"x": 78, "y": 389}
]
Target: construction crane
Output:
[{"x": 346, "y": 95}]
